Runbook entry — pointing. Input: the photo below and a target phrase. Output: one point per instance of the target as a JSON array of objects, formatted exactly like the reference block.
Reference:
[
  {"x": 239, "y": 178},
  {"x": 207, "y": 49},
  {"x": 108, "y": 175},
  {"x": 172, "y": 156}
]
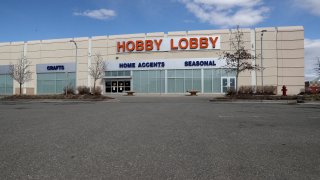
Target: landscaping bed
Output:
[
  {"x": 56, "y": 97},
  {"x": 298, "y": 98},
  {"x": 259, "y": 97}
]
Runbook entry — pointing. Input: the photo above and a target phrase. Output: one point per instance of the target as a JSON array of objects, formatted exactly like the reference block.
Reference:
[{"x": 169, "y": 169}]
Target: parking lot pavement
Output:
[{"x": 159, "y": 138}]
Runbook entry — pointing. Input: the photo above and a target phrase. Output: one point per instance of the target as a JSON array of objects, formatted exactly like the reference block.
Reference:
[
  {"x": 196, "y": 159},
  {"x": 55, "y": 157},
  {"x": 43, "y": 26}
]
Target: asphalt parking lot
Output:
[{"x": 159, "y": 138}]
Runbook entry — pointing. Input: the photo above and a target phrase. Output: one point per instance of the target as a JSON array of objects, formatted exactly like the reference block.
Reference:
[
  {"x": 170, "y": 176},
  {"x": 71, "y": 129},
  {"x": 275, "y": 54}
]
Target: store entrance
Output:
[
  {"x": 228, "y": 83},
  {"x": 118, "y": 86}
]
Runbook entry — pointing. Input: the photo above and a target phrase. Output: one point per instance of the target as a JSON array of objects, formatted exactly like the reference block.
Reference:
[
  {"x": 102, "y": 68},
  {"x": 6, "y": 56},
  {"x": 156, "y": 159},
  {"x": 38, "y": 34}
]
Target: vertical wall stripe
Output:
[
  {"x": 253, "y": 52},
  {"x": 25, "y": 50},
  {"x": 89, "y": 60}
]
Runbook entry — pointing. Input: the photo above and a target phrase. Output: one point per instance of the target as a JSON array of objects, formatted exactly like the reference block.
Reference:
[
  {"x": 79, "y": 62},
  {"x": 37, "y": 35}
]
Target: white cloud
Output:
[
  {"x": 311, "y": 5},
  {"x": 311, "y": 52},
  {"x": 101, "y": 14},
  {"x": 228, "y": 13}
]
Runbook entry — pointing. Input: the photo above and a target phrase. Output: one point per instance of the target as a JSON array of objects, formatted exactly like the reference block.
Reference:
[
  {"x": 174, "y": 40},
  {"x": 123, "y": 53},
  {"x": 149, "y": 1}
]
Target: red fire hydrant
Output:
[{"x": 284, "y": 90}]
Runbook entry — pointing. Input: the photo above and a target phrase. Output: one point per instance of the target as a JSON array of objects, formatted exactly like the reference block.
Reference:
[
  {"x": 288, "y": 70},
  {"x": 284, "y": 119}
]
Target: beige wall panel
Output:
[
  {"x": 268, "y": 72},
  {"x": 294, "y": 44},
  {"x": 5, "y": 49},
  {"x": 298, "y": 80},
  {"x": 14, "y": 57},
  {"x": 298, "y": 53},
  {"x": 244, "y": 81},
  {"x": 17, "y": 49},
  {"x": 56, "y": 60},
  {"x": 12, "y": 49},
  {"x": 224, "y": 38},
  {"x": 293, "y": 35},
  {"x": 155, "y": 34},
  {"x": 100, "y": 43},
  {"x": 266, "y": 45},
  {"x": 55, "y": 54},
  {"x": 291, "y": 71},
  {"x": 291, "y": 62},
  {"x": 226, "y": 46},
  {"x": 34, "y": 47},
  {"x": 267, "y": 80},
  {"x": 267, "y": 54},
  {"x": 112, "y": 42},
  {"x": 177, "y": 33},
  {"x": 6, "y": 56},
  {"x": 246, "y": 44},
  {"x": 246, "y": 73},
  {"x": 113, "y": 51},
  {"x": 56, "y": 46},
  {"x": 209, "y": 32},
  {"x": 127, "y": 36},
  {"x": 101, "y": 51},
  {"x": 267, "y": 36},
  {"x": 33, "y": 54},
  {"x": 267, "y": 63}
]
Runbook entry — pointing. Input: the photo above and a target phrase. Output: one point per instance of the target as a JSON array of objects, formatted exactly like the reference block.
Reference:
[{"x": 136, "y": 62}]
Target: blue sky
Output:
[{"x": 24, "y": 20}]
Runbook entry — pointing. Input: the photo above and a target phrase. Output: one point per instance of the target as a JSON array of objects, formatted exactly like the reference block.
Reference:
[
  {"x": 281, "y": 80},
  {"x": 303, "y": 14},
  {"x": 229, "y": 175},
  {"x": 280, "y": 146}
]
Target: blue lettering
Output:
[
  {"x": 127, "y": 65},
  {"x": 199, "y": 63},
  {"x": 55, "y": 68}
]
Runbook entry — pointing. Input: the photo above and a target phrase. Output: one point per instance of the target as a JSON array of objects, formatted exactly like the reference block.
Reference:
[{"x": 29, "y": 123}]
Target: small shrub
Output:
[
  {"x": 246, "y": 90},
  {"x": 302, "y": 91},
  {"x": 68, "y": 90},
  {"x": 270, "y": 90},
  {"x": 230, "y": 92},
  {"x": 82, "y": 90},
  {"x": 267, "y": 90},
  {"x": 97, "y": 91}
]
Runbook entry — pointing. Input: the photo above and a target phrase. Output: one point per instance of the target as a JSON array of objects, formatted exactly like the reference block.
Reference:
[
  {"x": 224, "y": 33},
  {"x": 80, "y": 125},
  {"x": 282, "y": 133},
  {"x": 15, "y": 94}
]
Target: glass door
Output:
[
  {"x": 117, "y": 86},
  {"x": 114, "y": 86},
  {"x": 228, "y": 83},
  {"x": 108, "y": 86},
  {"x": 224, "y": 86},
  {"x": 120, "y": 86}
]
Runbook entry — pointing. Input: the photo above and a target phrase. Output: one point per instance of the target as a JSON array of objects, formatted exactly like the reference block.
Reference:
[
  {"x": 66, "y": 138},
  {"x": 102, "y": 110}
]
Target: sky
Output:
[{"x": 25, "y": 20}]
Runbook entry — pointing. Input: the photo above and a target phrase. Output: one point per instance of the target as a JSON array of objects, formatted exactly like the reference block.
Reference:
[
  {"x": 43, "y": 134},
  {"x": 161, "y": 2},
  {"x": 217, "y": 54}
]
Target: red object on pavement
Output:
[{"x": 284, "y": 90}]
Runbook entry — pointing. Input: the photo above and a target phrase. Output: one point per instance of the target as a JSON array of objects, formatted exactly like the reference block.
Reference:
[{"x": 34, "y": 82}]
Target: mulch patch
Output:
[{"x": 57, "y": 97}]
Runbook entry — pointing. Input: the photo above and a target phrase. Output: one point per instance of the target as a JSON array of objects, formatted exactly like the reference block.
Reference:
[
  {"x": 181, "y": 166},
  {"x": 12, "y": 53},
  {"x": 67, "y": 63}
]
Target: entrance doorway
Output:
[
  {"x": 118, "y": 86},
  {"x": 228, "y": 83}
]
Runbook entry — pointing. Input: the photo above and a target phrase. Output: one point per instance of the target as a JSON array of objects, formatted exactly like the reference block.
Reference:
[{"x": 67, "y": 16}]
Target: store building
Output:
[{"x": 157, "y": 62}]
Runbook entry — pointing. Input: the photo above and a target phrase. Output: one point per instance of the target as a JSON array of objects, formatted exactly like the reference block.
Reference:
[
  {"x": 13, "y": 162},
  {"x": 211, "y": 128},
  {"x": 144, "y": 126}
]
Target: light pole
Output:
[
  {"x": 262, "y": 61},
  {"x": 75, "y": 43}
]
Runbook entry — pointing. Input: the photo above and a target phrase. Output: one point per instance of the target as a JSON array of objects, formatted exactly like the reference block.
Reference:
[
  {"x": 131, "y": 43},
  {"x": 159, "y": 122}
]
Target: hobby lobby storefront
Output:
[{"x": 172, "y": 62}]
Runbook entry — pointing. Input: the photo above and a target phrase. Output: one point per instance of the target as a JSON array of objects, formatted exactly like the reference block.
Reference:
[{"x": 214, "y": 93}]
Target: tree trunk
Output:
[
  {"x": 20, "y": 88},
  {"x": 94, "y": 86},
  {"x": 237, "y": 83}
]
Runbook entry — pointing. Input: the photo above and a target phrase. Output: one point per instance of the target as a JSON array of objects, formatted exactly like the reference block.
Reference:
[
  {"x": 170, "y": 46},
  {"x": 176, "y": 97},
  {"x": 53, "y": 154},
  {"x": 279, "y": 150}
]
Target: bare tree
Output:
[
  {"x": 20, "y": 72},
  {"x": 317, "y": 67},
  {"x": 97, "y": 69},
  {"x": 238, "y": 59}
]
